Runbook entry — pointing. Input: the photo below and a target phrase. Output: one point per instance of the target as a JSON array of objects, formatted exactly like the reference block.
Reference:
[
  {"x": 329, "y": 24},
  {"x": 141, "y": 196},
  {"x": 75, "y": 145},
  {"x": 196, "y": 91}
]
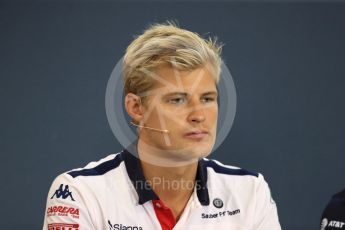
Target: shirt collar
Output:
[{"x": 144, "y": 191}]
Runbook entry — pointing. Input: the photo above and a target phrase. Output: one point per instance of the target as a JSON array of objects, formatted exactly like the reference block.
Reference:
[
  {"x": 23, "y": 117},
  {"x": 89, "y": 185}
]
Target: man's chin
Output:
[
  {"x": 177, "y": 155},
  {"x": 194, "y": 153},
  {"x": 183, "y": 156}
]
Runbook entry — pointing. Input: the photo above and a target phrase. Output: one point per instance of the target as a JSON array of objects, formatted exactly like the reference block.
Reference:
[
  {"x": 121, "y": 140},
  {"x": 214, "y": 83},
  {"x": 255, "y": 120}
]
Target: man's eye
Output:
[
  {"x": 178, "y": 100},
  {"x": 208, "y": 99}
]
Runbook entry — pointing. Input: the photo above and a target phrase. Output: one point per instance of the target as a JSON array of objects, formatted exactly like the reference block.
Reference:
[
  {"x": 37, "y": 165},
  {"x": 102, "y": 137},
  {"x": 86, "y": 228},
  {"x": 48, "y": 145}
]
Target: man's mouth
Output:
[{"x": 196, "y": 134}]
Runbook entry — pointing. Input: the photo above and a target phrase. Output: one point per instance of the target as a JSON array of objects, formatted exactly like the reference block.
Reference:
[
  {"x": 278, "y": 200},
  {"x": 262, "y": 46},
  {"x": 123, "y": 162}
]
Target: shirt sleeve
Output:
[
  {"x": 266, "y": 215},
  {"x": 66, "y": 206}
]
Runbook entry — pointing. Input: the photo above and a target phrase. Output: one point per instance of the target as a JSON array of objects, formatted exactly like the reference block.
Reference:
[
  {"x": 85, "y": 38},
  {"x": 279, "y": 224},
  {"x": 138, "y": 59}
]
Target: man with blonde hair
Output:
[{"x": 163, "y": 180}]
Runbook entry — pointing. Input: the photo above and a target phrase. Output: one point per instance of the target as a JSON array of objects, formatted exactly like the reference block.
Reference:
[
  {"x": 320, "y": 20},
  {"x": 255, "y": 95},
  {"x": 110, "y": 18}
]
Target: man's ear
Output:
[{"x": 134, "y": 107}]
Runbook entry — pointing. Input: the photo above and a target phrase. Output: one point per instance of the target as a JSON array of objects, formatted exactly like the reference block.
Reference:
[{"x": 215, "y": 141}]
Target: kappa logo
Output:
[
  {"x": 63, "y": 211},
  {"x": 63, "y": 193},
  {"x": 122, "y": 227},
  {"x": 63, "y": 226}
]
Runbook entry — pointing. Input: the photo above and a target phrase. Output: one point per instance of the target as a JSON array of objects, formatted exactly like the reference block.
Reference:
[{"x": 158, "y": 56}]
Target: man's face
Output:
[{"x": 185, "y": 104}]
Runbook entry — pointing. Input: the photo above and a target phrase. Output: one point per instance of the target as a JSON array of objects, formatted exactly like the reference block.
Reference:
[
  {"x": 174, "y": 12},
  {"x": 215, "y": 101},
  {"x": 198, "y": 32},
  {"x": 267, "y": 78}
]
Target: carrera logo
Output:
[
  {"x": 63, "y": 211},
  {"x": 63, "y": 226}
]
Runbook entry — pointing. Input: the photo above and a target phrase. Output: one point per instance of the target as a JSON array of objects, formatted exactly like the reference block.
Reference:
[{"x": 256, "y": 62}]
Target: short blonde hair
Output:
[{"x": 164, "y": 43}]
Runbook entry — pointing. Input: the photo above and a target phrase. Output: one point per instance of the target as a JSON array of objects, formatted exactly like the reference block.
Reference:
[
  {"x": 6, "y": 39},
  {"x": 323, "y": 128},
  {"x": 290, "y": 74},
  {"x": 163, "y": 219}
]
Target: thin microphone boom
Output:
[{"x": 159, "y": 130}]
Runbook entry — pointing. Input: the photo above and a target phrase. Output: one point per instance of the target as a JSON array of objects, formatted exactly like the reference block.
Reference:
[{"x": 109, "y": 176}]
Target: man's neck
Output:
[
  {"x": 170, "y": 181},
  {"x": 173, "y": 185}
]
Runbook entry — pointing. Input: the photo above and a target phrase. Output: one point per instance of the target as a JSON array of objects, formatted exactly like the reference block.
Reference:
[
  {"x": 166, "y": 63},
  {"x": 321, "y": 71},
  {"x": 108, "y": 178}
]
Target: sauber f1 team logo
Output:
[
  {"x": 63, "y": 211},
  {"x": 63, "y": 226}
]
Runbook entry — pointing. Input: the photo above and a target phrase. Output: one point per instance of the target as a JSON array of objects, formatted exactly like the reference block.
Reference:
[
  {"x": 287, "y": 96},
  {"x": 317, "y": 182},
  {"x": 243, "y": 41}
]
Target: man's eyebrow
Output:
[
  {"x": 187, "y": 94},
  {"x": 210, "y": 93},
  {"x": 175, "y": 94}
]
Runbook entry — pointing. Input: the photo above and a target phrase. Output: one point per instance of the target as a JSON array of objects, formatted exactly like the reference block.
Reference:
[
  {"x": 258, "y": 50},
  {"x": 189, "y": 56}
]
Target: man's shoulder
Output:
[
  {"x": 98, "y": 168},
  {"x": 94, "y": 169},
  {"x": 225, "y": 169},
  {"x": 236, "y": 180}
]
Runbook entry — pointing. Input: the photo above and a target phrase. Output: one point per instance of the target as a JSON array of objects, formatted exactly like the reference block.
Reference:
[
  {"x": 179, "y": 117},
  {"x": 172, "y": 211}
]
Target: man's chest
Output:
[{"x": 121, "y": 217}]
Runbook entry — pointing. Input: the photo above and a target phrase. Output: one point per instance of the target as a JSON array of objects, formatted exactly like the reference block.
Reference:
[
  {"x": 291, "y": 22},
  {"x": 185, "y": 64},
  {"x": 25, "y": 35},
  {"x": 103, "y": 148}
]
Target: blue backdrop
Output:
[{"x": 287, "y": 61}]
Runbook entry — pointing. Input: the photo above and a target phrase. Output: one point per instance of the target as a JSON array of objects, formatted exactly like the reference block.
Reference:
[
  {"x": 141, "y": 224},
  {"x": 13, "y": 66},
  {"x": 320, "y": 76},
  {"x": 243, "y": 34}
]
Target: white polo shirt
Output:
[{"x": 113, "y": 194}]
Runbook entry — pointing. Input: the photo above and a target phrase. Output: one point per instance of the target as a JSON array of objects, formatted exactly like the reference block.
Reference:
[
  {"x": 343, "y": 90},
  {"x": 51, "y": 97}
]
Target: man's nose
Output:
[{"x": 196, "y": 112}]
